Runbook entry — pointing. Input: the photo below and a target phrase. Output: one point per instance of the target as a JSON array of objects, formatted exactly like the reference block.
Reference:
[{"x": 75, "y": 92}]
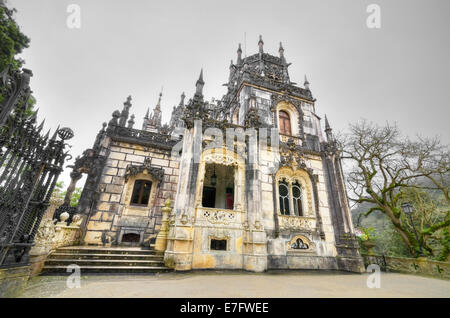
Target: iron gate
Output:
[{"x": 30, "y": 163}]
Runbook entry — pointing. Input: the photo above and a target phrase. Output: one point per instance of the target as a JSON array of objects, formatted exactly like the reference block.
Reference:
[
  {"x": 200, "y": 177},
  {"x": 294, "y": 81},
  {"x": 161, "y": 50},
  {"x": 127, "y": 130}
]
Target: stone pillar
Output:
[{"x": 161, "y": 238}]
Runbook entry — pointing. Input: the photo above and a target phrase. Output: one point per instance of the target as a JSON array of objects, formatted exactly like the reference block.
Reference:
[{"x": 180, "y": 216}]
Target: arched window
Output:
[
  {"x": 141, "y": 192},
  {"x": 285, "y": 123},
  {"x": 297, "y": 199},
  {"x": 283, "y": 191}
]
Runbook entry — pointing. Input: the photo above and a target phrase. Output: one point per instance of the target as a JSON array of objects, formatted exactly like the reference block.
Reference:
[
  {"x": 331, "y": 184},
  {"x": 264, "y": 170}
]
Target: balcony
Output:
[
  {"x": 302, "y": 223},
  {"x": 285, "y": 138},
  {"x": 218, "y": 216}
]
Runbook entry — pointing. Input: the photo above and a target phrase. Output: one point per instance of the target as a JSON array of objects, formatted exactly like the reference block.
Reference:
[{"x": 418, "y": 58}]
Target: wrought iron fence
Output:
[{"x": 30, "y": 164}]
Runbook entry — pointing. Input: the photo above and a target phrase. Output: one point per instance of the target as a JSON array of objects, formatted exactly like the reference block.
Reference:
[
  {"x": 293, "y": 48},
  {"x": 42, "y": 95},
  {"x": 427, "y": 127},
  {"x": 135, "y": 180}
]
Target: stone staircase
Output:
[{"x": 95, "y": 259}]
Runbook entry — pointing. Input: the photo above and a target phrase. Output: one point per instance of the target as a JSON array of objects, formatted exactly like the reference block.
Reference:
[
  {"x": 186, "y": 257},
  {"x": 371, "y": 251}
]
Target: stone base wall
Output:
[
  {"x": 13, "y": 281},
  {"x": 315, "y": 262}
]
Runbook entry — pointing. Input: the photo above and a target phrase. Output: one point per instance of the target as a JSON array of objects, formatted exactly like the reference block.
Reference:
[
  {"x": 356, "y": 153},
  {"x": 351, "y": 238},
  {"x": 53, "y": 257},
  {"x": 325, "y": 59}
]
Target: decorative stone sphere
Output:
[{"x": 64, "y": 216}]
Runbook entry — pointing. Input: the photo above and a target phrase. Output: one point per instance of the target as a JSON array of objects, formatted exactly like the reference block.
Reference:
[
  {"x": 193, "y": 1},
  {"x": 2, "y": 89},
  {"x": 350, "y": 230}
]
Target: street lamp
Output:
[{"x": 408, "y": 209}]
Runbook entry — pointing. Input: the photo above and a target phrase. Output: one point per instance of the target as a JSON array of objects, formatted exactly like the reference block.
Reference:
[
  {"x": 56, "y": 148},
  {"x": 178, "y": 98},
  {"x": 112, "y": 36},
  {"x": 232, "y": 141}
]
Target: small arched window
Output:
[
  {"x": 141, "y": 192},
  {"x": 283, "y": 191},
  {"x": 297, "y": 199},
  {"x": 285, "y": 123}
]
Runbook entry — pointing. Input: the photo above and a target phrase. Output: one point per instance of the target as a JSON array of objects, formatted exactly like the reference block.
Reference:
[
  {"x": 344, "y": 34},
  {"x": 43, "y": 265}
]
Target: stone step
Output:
[
  {"x": 48, "y": 269},
  {"x": 109, "y": 250},
  {"x": 66, "y": 255},
  {"x": 104, "y": 262}
]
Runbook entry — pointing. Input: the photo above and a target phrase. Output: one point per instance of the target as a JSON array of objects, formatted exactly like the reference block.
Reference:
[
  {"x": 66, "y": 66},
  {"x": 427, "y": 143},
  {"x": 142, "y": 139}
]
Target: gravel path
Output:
[{"x": 299, "y": 284}]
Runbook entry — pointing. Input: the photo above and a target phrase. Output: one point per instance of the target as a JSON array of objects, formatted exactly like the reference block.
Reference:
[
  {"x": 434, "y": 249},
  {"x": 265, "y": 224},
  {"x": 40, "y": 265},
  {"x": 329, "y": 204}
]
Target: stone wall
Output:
[
  {"x": 109, "y": 215},
  {"x": 420, "y": 266}
]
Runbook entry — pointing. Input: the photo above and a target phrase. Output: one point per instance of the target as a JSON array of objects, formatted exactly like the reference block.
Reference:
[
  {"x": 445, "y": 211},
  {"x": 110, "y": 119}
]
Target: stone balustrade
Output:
[
  {"x": 297, "y": 222},
  {"x": 51, "y": 236}
]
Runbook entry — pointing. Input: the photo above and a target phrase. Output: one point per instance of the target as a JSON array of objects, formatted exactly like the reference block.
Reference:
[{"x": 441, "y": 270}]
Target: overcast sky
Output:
[{"x": 400, "y": 72}]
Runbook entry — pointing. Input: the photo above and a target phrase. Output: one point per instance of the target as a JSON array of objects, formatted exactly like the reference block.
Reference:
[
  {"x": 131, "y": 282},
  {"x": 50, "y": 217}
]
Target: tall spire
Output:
[
  {"x": 158, "y": 105},
  {"x": 260, "y": 44},
  {"x": 239, "y": 55},
  {"x": 281, "y": 51},
  {"x": 328, "y": 130},
  {"x": 199, "y": 85}
]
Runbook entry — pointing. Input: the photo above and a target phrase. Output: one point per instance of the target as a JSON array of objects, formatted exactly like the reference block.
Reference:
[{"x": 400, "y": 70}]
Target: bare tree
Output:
[{"x": 383, "y": 164}]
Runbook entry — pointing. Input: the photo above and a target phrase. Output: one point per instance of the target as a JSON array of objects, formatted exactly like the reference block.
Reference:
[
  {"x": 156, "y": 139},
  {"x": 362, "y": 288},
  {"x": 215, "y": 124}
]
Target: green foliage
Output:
[
  {"x": 430, "y": 219},
  {"x": 75, "y": 197},
  {"x": 12, "y": 40},
  {"x": 367, "y": 233},
  {"x": 381, "y": 231},
  {"x": 12, "y": 43},
  {"x": 59, "y": 194}
]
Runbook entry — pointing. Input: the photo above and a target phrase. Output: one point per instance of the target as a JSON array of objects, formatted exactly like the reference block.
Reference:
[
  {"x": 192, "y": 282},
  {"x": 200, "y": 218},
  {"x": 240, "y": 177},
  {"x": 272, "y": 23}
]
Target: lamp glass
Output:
[{"x": 407, "y": 208}]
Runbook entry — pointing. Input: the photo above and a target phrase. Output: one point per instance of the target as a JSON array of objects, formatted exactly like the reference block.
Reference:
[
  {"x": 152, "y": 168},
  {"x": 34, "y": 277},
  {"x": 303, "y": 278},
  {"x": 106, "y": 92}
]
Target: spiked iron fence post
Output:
[{"x": 30, "y": 164}]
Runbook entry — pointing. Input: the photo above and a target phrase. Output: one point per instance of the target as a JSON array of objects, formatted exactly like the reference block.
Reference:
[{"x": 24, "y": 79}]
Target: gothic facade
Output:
[{"x": 255, "y": 184}]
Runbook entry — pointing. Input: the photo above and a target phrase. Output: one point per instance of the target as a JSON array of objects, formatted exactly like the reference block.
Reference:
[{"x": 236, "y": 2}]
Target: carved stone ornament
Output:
[
  {"x": 219, "y": 217},
  {"x": 133, "y": 170},
  {"x": 292, "y": 155}
]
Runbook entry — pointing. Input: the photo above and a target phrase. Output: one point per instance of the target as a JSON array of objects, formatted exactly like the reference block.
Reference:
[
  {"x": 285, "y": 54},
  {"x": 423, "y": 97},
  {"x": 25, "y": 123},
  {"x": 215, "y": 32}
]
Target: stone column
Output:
[{"x": 161, "y": 238}]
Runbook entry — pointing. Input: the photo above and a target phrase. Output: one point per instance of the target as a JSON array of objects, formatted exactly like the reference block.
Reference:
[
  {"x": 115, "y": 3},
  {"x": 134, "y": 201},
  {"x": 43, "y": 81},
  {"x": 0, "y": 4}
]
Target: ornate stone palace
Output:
[{"x": 261, "y": 200}]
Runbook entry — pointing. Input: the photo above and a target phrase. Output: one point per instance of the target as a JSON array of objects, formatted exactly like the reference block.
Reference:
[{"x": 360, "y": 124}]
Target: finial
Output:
[
  {"x": 159, "y": 99},
  {"x": 306, "y": 83},
  {"x": 260, "y": 44},
  {"x": 239, "y": 55},
  {"x": 131, "y": 121},
  {"x": 41, "y": 126},
  {"x": 199, "y": 84},
  {"x": 327, "y": 124},
  {"x": 328, "y": 130},
  {"x": 55, "y": 133},
  {"x": 200, "y": 78},
  {"x": 281, "y": 49},
  {"x": 183, "y": 96}
]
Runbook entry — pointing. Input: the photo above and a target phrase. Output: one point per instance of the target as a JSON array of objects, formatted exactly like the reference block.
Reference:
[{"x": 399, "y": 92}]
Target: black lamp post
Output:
[
  {"x": 408, "y": 209},
  {"x": 214, "y": 178}
]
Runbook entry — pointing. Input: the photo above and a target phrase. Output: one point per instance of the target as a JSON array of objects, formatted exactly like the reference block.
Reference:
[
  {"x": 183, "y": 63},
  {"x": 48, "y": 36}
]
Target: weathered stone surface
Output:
[{"x": 13, "y": 281}]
